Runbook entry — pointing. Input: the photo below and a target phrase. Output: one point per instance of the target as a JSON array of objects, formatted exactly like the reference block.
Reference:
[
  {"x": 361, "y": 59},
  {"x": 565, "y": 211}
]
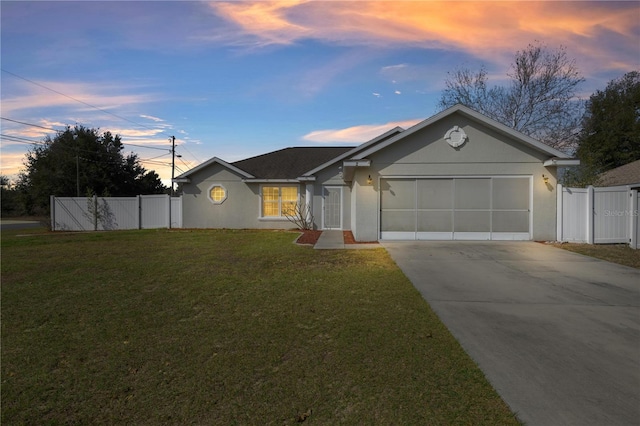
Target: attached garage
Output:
[{"x": 456, "y": 208}]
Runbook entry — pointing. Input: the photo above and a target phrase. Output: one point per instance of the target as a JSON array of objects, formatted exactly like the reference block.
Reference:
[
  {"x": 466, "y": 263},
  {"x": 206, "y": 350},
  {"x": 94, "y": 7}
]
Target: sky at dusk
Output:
[{"x": 238, "y": 79}]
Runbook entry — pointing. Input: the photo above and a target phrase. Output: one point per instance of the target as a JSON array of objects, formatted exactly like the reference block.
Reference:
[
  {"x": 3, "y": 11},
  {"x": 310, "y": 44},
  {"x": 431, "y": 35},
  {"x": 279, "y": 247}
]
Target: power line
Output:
[
  {"x": 153, "y": 158},
  {"x": 158, "y": 163},
  {"x": 188, "y": 166},
  {"x": 28, "y": 124},
  {"x": 80, "y": 101},
  {"x": 48, "y": 128},
  {"x": 147, "y": 147},
  {"x": 21, "y": 140},
  {"x": 94, "y": 107},
  {"x": 194, "y": 157}
]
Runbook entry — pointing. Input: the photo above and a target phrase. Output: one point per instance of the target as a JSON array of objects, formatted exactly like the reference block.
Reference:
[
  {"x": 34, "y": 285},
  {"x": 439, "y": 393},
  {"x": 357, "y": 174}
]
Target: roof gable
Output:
[
  {"x": 499, "y": 127},
  {"x": 184, "y": 177}
]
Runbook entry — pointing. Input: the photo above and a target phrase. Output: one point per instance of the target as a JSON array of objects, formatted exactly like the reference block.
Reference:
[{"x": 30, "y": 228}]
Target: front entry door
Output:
[{"x": 332, "y": 207}]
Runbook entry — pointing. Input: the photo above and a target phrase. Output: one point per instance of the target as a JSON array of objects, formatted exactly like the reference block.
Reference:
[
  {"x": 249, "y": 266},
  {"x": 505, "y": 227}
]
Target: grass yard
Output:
[
  {"x": 616, "y": 253},
  {"x": 224, "y": 327}
]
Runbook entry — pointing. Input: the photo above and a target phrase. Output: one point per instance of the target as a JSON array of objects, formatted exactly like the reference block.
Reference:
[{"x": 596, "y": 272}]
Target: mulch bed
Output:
[
  {"x": 311, "y": 238},
  {"x": 348, "y": 239}
]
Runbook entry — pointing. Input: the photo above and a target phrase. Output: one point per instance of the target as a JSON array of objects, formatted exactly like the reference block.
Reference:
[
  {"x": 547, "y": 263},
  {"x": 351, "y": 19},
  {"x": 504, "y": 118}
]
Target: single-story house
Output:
[{"x": 457, "y": 175}]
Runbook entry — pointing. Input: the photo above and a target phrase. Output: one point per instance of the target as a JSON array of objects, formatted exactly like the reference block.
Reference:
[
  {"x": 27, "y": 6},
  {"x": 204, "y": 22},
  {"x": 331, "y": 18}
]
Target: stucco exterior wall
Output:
[
  {"x": 365, "y": 199},
  {"x": 240, "y": 210}
]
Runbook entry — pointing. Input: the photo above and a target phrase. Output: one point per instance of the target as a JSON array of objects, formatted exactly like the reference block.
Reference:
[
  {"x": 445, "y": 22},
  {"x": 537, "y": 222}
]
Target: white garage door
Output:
[{"x": 461, "y": 208}]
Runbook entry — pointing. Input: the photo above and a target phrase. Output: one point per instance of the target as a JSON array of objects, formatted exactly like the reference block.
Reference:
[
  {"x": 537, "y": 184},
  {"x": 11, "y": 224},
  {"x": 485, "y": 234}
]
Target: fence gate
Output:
[{"x": 598, "y": 215}]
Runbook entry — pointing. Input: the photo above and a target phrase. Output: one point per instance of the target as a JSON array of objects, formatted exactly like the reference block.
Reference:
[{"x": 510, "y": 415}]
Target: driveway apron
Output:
[{"x": 556, "y": 333}]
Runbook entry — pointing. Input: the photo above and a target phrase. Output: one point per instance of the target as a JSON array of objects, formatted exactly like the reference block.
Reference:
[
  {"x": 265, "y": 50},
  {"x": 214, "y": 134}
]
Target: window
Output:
[
  {"x": 279, "y": 201},
  {"x": 217, "y": 194}
]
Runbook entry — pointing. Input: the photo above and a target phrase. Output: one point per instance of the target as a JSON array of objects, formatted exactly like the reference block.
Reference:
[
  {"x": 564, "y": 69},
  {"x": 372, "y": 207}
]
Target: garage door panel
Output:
[
  {"x": 399, "y": 194},
  {"x": 398, "y": 221},
  {"x": 438, "y": 221},
  {"x": 470, "y": 221},
  {"x": 434, "y": 193},
  {"x": 472, "y": 193},
  {"x": 510, "y": 193},
  {"x": 510, "y": 221}
]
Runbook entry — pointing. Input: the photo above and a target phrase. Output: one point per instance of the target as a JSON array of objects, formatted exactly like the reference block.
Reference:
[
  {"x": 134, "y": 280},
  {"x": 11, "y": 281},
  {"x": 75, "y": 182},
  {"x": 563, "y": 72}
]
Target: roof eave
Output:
[
  {"x": 259, "y": 180},
  {"x": 349, "y": 168},
  {"x": 562, "y": 162},
  {"x": 210, "y": 162}
]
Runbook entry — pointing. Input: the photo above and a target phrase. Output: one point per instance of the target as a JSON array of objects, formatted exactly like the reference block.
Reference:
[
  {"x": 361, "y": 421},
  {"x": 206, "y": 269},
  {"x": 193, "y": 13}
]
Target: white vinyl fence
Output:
[
  {"x": 113, "y": 213},
  {"x": 598, "y": 215}
]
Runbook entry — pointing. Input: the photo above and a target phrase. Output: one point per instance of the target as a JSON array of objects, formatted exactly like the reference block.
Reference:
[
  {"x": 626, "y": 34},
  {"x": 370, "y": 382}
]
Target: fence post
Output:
[
  {"x": 169, "y": 204},
  {"x": 633, "y": 218},
  {"x": 53, "y": 212},
  {"x": 95, "y": 212},
  {"x": 590, "y": 214},
  {"x": 138, "y": 212},
  {"x": 559, "y": 213}
]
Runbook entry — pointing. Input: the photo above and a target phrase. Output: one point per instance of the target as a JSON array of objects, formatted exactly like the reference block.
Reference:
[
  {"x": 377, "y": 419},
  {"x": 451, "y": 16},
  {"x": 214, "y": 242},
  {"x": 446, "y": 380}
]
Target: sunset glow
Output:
[{"x": 237, "y": 79}]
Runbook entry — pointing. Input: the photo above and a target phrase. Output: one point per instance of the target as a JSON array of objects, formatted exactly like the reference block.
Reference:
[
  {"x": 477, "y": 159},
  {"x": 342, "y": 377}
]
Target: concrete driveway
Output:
[{"x": 556, "y": 333}]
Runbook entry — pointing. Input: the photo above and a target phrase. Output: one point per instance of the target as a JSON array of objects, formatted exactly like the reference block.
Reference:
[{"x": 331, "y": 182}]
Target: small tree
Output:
[
  {"x": 301, "y": 216},
  {"x": 540, "y": 100}
]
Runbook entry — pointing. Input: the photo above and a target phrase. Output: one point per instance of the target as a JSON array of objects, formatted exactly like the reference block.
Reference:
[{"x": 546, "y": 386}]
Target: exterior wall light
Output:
[
  {"x": 545, "y": 178},
  {"x": 369, "y": 180}
]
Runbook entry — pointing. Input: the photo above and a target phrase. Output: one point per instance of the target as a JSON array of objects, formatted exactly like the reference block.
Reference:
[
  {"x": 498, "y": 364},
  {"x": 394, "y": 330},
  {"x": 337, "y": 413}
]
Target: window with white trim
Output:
[
  {"x": 278, "y": 201},
  {"x": 217, "y": 194}
]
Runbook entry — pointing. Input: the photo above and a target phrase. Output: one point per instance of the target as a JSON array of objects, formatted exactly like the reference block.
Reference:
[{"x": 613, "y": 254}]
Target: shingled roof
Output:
[
  {"x": 289, "y": 163},
  {"x": 624, "y": 175}
]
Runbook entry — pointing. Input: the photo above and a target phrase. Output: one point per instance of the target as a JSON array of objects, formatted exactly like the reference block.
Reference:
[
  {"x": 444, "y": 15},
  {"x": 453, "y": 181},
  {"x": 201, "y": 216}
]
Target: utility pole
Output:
[{"x": 173, "y": 160}]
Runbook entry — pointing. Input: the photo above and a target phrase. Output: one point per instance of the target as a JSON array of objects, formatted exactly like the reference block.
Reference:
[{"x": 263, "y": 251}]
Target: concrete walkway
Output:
[
  {"x": 334, "y": 239},
  {"x": 556, "y": 333}
]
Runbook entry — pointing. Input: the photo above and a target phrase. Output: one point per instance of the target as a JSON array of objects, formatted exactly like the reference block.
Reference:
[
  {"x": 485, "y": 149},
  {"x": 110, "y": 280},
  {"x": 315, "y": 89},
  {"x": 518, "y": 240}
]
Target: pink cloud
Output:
[
  {"x": 490, "y": 30},
  {"x": 356, "y": 134}
]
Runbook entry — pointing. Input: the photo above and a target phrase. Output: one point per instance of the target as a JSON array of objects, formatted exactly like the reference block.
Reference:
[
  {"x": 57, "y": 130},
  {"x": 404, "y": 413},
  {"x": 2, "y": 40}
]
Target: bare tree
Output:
[
  {"x": 300, "y": 215},
  {"x": 540, "y": 100}
]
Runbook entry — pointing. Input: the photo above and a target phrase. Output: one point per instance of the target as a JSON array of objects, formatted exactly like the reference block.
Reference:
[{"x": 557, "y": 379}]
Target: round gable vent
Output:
[{"x": 455, "y": 137}]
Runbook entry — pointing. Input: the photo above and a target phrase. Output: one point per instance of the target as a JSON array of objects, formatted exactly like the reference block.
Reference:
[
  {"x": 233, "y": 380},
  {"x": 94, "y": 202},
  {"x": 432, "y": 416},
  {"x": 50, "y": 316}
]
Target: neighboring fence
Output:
[
  {"x": 112, "y": 213},
  {"x": 598, "y": 215}
]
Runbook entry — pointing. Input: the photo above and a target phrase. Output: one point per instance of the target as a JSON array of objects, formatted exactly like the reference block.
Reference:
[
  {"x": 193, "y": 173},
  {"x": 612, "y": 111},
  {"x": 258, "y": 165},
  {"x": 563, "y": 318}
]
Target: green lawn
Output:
[
  {"x": 223, "y": 327},
  {"x": 616, "y": 253}
]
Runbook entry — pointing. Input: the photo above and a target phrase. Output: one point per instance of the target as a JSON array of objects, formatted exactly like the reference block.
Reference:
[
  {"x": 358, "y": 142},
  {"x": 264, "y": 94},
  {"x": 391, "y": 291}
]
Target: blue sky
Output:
[{"x": 237, "y": 79}]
